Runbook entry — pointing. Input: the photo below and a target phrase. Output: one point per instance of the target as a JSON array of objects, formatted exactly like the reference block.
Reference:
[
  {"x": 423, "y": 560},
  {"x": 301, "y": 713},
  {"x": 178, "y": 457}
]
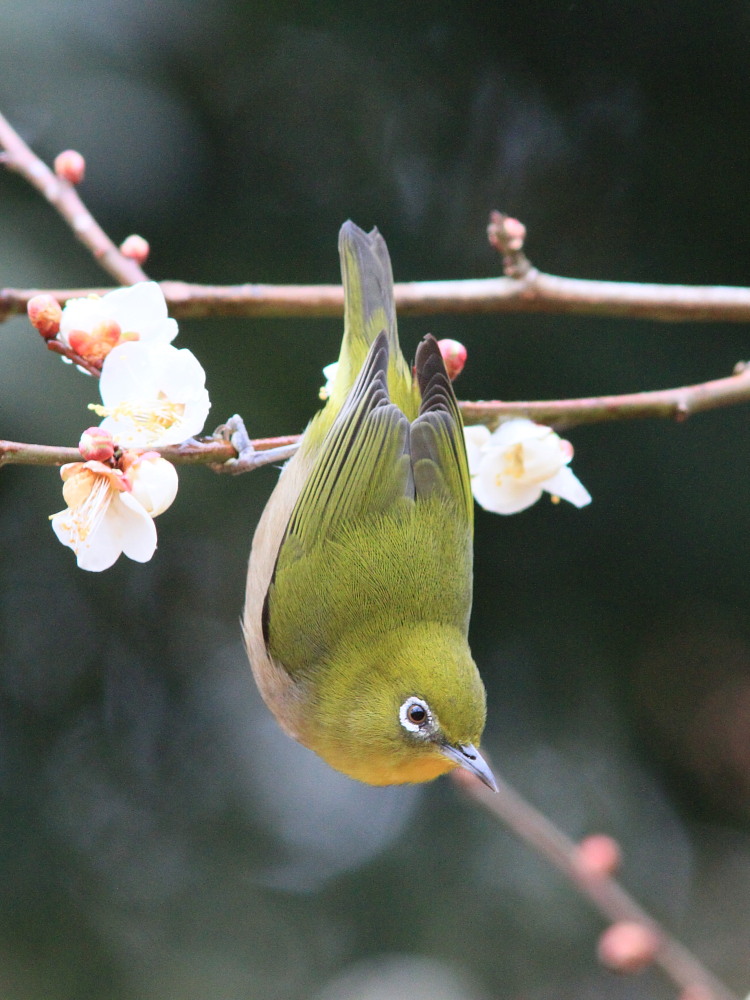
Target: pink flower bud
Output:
[
  {"x": 507, "y": 235},
  {"x": 136, "y": 248},
  {"x": 628, "y": 947},
  {"x": 514, "y": 232},
  {"x": 599, "y": 854},
  {"x": 454, "y": 357},
  {"x": 45, "y": 314},
  {"x": 96, "y": 445},
  {"x": 70, "y": 166}
]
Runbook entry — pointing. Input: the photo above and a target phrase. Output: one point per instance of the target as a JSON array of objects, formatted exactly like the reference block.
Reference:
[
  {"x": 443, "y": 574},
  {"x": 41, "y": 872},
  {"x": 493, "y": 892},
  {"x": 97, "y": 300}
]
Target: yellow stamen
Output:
[
  {"x": 514, "y": 461},
  {"x": 153, "y": 416},
  {"x": 87, "y": 512}
]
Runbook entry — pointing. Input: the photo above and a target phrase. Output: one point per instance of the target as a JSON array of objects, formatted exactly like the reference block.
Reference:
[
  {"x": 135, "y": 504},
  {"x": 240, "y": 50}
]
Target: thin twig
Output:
[
  {"x": 65, "y": 199},
  {"x": 677, "y": 404},
  {"x": 605, "y": 892},
  {"x": 65, "y": 351},
  {"x": 202, "y": 451}
]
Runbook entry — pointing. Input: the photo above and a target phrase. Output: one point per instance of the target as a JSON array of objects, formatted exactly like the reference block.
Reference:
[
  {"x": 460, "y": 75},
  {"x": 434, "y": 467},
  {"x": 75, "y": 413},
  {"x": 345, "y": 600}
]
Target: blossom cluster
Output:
[{"x": 152, "y": 394}]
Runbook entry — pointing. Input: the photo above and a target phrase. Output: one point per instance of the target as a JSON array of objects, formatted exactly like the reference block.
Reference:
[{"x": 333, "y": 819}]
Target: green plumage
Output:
[{"x": 369, "y": 592}]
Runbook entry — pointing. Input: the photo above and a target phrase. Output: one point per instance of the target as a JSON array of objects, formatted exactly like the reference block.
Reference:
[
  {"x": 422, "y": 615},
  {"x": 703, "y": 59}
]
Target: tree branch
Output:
[
  {"x": 677, "y": 404},
  {"x": 536, "y": 293},
  {"x": 603, "y": 891},
  {"x": 65, "y": 199}
]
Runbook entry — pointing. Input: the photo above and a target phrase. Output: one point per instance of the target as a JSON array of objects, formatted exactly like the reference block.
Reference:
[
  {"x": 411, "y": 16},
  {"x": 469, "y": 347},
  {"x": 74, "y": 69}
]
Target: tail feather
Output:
[{"x": 369, "y": 310}]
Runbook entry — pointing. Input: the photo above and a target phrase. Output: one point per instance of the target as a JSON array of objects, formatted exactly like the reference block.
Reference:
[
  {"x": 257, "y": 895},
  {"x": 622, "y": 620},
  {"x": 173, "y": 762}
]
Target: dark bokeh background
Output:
[{"x": 159, "y": 838}]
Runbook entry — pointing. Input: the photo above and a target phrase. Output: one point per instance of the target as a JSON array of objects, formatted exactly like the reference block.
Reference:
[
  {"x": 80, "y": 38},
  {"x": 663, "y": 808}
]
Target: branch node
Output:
[{"x": 507, "y": 235}]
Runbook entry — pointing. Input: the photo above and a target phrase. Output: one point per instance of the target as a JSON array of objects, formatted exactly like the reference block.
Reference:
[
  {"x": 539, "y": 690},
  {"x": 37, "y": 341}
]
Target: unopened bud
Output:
[
  {"x": 507, "y": 235},
  {"x": 599, "y": 854},
  {"x": 45, "y": 314},
  {"x": 96, "y": 445},
  {"x": 628, "y": 947},
  {"x": 514, "y": 233},
  {"x": 136, "y": 248},
  {"x": 454, "y": 357},
  {"x": 70, "y": 166}
]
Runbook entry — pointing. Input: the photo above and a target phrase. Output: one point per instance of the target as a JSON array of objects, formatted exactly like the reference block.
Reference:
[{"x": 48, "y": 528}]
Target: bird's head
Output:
[{"x": 404, "y": 705}]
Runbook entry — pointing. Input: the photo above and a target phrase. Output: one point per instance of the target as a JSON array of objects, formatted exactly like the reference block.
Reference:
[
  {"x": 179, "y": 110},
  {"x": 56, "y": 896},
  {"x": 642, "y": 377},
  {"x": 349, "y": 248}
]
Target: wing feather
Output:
[
  {"x": 438, "y": 451},
  {"x": 363, "y": 466}
]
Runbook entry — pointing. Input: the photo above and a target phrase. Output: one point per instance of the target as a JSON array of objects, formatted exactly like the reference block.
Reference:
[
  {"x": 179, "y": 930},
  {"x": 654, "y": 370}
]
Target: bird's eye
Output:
[{"x": 415, "y": 715}]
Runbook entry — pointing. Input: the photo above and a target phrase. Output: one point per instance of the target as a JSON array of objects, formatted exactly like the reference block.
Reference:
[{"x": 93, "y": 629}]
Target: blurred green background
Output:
[{"x": 159, "y": 837}]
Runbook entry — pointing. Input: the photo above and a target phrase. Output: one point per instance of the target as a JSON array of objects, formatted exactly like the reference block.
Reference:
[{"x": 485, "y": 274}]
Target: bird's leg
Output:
[{"x": 248, "y": 457}]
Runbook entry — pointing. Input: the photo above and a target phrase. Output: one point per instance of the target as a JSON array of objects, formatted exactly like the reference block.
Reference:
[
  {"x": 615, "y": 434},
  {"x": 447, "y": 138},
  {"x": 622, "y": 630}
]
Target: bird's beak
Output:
[{"x": 468, "y": 757}]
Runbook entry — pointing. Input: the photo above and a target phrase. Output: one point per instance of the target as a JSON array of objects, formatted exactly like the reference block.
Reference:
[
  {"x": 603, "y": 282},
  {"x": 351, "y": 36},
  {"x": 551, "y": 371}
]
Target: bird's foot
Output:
[{"x": 248, "y": 457}]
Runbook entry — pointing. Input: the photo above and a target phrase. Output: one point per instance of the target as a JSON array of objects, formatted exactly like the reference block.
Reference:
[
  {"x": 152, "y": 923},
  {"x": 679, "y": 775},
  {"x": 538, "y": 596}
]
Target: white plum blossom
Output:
[
  {"x": 110, "y": 511},
  {"x": 152, "y": 395},
  {"x": 512, "y": 467},
  {"x": 102, "y": 519},
  {"x": 94, "y": 325}
]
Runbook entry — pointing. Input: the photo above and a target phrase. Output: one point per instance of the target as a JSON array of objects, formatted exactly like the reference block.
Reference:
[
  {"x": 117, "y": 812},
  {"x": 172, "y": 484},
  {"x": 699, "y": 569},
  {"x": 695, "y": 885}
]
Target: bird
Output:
[{"x": 359, "y": 584}]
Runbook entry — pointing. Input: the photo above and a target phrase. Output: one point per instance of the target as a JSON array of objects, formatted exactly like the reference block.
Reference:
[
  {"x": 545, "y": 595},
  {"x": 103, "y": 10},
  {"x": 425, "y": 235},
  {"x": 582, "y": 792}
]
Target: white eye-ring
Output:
[{"x": 415, "y": 715}]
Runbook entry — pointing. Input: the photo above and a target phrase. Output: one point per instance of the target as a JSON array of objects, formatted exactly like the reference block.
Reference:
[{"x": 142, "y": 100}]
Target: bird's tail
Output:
[{"x": 369, "y": 309}]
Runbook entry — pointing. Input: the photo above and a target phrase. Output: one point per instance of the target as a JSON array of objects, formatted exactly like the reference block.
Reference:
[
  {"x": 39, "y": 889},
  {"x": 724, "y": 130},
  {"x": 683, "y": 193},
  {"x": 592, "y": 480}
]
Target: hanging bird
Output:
[{"x": 360, "y": 577}]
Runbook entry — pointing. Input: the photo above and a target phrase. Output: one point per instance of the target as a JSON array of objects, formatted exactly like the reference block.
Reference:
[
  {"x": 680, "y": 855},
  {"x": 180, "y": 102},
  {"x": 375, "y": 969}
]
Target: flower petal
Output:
[
  {"x": 500, "y": 493},
  {"x": 516, "y": 430},
  {"x": 98, "y": 551},
  {"x": 81, "y": 314},
  {"x": 541, "y": 458},
  {"x": 137, "y": 529},
  {"x": 568, "y": 486},
  {"x": 154, "y": 483},
  {"x": 128, "y": 371},
  {"x": 510, "y": 499},
  {"x": 142, "y": 309},
  {"x": 476, "y": 437}
]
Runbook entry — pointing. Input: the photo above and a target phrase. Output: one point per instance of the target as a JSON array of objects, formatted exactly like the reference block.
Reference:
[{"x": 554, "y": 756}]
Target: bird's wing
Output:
[
  {"x": 362, "y": 471},
  {"x": 363, "y": 466},
  {"x": 438, "y": 451}
]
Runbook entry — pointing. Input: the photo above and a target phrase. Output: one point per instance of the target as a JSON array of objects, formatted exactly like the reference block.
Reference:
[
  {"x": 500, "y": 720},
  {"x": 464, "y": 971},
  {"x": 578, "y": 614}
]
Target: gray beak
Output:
[{"x": 469, "y": 758}]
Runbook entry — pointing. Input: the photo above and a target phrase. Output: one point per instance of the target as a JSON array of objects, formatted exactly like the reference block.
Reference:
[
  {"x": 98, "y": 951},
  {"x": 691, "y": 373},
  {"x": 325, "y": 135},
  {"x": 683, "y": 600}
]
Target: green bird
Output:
[{"x": 360, "y": 578}]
